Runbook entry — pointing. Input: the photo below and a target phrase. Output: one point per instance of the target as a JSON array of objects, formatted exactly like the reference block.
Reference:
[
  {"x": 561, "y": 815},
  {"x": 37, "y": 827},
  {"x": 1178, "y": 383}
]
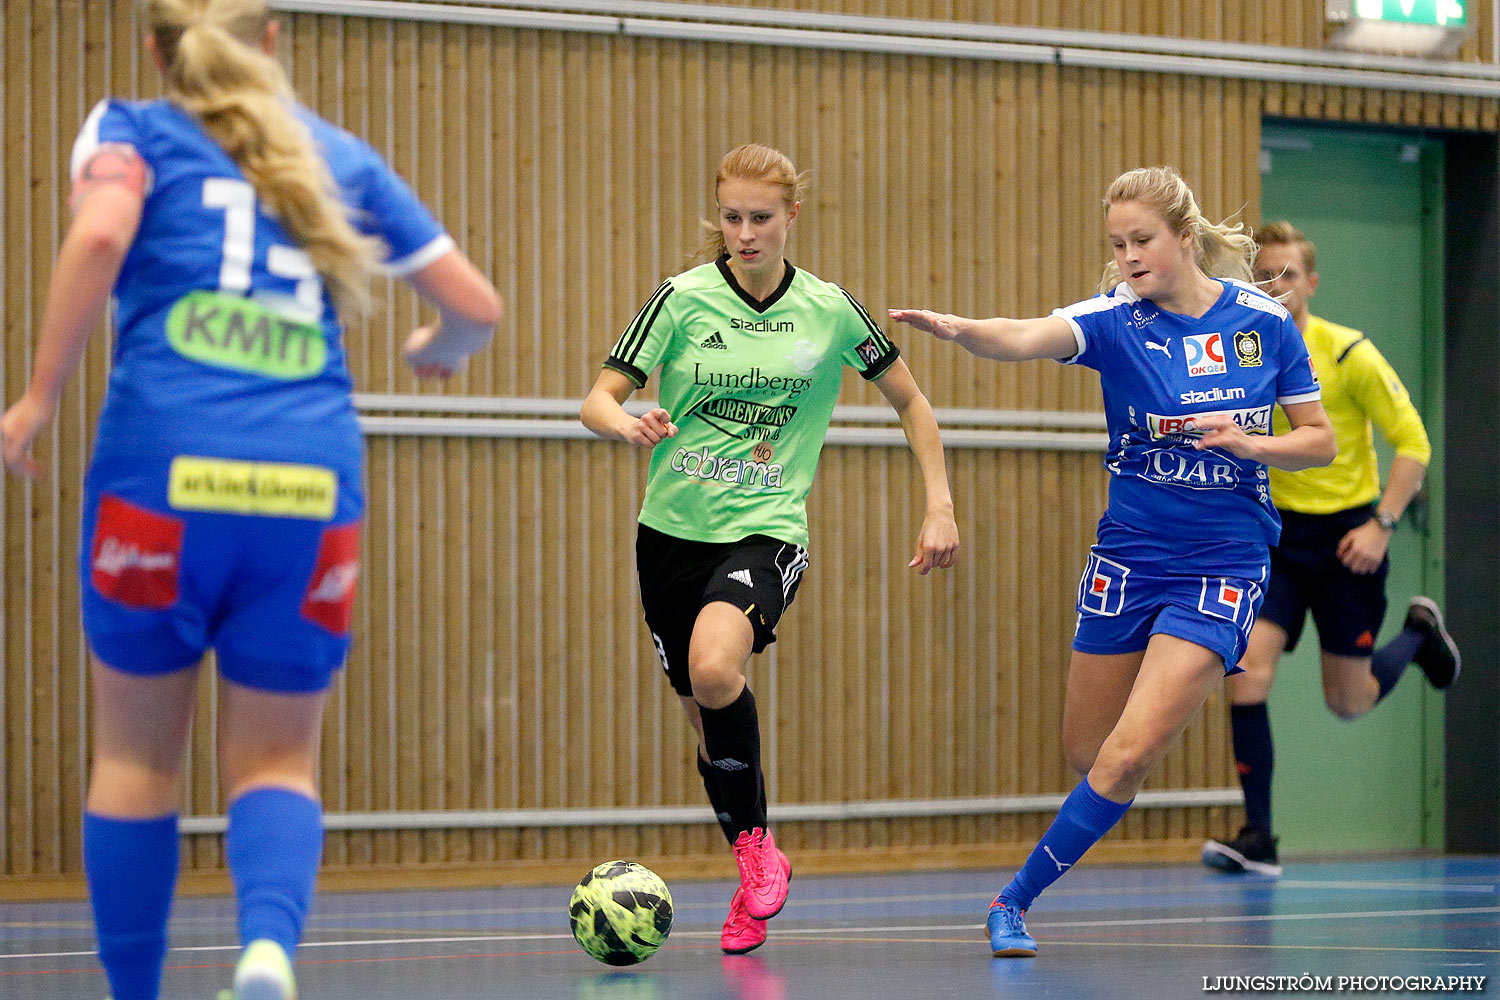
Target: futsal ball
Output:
[{"x": 621, "y": 913}]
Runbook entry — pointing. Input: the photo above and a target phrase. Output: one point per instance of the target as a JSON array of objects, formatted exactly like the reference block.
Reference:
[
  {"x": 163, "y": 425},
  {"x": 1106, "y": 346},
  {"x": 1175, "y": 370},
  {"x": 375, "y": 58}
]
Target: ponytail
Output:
[{"x": 216, "y": 71}]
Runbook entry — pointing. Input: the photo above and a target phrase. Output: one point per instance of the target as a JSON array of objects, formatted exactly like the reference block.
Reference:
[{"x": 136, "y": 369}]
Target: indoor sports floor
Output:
[{"x": 1150, "y": 932}]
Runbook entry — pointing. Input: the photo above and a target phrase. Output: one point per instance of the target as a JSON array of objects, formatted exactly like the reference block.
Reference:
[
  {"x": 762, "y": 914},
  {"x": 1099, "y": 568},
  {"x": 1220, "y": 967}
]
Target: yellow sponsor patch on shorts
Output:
[{"x": 271, "y": 489}]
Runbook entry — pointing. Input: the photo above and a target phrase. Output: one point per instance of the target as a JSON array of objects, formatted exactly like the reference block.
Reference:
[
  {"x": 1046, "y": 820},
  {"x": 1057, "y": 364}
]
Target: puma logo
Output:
[
  {"x": 1060, "y": 866},
  {"x": 1164, "y": 348}
]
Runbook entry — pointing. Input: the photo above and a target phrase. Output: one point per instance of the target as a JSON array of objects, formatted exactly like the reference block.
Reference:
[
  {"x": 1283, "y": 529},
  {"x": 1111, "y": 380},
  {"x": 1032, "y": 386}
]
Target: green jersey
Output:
[{"x": 751, "y": 386}]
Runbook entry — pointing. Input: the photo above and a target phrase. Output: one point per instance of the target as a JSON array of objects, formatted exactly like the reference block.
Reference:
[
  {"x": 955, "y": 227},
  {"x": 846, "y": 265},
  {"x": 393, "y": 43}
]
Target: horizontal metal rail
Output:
[
  {"x": 1015, "y": 34},
  {"x": 511, "y": 819},
  {"x": 940, "y": 39},
  {"x": 371, "y": 403},
  {"x": 392, "y": 414},
  {"x": 571, "y": 430}
]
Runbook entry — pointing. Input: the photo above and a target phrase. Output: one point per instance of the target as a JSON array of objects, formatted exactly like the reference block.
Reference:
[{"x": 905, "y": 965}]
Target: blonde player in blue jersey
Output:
[
  {"x": 222, "y": 504},
  {"x": 751, "y": 351},
  {"x": 1192, "y": 359}
]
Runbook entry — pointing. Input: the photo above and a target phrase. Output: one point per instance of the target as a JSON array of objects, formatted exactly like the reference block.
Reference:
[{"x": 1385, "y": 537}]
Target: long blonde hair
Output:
[
  {"x": 751, "y": 162},
  {"x": 216, "y": 70},
  {"x": 1221, "y": 251}
]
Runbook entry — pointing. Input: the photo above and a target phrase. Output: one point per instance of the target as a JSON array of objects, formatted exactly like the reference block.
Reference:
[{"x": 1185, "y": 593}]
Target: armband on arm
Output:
[{"x": 110, "y": 163}]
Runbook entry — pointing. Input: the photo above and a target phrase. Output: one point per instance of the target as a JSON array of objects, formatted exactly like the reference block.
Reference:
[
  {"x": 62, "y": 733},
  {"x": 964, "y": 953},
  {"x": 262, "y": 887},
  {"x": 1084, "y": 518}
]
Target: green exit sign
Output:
[
  {"x": 1440, "y": 13},
  {"x": 1414, "y": 27}
]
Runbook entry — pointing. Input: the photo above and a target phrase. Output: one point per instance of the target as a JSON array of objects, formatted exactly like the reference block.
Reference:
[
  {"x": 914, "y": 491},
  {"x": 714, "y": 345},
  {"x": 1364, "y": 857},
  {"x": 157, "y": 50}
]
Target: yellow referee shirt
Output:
[{"x": 1360, "y": 389}]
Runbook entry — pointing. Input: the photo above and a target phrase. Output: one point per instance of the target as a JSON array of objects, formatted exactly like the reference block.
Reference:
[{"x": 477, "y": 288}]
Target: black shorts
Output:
[
  {"x": 679, "y": 577},
  {"x": 1306, "y": 575}
]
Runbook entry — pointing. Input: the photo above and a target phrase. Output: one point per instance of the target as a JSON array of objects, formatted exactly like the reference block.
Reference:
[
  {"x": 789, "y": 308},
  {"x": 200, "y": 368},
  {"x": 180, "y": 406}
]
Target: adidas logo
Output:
[
  {"x": 715, "y": 342},
  {"x": 742, "y": 576}
]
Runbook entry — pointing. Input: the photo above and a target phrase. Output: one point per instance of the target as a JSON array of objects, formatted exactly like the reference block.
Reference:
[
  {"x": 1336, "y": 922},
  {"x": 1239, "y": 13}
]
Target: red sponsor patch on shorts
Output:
[
  {"x": 329, "y": 600},
  {"x": 136, "y": 555},
  {"x": 1365, "y": 640}
]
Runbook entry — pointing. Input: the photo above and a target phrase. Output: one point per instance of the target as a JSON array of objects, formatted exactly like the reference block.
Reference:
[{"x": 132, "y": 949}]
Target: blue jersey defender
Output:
[
  {"x": 1182, "y": 548},
  {"x": 222, "y": 505}
]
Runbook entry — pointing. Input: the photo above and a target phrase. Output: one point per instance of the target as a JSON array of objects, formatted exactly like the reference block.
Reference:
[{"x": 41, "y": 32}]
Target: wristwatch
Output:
[{"x": 1386, "y": 521}]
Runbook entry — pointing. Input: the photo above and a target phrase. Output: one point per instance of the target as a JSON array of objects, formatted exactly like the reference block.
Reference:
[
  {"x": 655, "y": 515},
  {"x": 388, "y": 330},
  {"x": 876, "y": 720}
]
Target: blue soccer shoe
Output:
[{"x": 1008, "y": 936}]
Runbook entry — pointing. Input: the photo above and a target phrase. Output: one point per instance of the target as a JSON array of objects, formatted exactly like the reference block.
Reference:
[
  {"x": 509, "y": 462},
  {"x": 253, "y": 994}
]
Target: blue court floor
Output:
[{"x": 1128, "y": 932}]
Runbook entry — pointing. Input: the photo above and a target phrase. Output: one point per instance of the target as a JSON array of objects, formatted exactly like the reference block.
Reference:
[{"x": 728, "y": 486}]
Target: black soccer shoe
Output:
[
  {"x": 1253, "y": 850},
  {"x": 1438, "y": 655}
]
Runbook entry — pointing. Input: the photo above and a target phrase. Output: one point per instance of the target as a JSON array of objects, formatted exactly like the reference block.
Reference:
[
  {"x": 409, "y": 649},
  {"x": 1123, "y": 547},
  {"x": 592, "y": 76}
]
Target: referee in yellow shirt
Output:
[{"x": 1331, "y": 560}]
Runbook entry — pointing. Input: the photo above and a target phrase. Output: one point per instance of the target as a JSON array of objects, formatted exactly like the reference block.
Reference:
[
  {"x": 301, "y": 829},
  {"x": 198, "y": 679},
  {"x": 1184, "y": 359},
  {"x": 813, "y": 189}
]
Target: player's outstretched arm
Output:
[
  {"x": 937, "y": 542},
  {"x": 92, "y": 253},
  {"x": 999, "y": 339},
  {"x": 604, "y": 413},
  {"x": 469, "y": 308}
]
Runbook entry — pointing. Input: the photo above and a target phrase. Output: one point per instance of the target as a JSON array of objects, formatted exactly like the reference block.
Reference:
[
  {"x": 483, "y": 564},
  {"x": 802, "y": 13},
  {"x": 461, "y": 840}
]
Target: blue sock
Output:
[
  {"x": 273, "y": 845},
  {"x": 1085, "y": 817},
  {"x": 1254, "y": 759},
  {"x": 131, "y": 865},
  {"x": 1389, "y": 661}
]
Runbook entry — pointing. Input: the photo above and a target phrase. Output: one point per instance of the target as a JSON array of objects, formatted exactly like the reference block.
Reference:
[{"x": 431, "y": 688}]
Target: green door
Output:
[{"x": 1372, "y": 204}]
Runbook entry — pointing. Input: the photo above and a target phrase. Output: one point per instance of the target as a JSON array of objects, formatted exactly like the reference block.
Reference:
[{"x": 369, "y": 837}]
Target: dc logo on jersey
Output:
[
  {"x": 1102, "y": 589},
  {"x": 1205, "y": 354}
]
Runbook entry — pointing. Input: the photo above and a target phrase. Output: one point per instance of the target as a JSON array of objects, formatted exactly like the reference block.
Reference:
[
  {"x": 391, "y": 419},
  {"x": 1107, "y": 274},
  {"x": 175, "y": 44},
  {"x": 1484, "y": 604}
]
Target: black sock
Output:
[
  {"x": 1254, "y": 759},
  {"x": 1389, "y": 661},
  {"x": 710, "y": 776},
  {"x": 731, "y": 735}
]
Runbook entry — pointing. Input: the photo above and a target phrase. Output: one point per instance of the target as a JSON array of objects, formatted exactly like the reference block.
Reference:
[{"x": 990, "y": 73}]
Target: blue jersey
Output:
[
  {"x": 227, "y": 343},
  {"x": 1158, "y": 370}
]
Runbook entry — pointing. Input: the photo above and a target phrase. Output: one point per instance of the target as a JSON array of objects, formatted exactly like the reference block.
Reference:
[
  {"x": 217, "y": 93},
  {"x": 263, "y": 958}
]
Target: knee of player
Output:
[
  {"x": 145, "y": 769},
  {"x": 1348, "y": 706},
  {"x": 1120, "y": 770},
  {"x": 1253, "y": 685},
  {"x": 715, "y": 680},
  {"x": 1080, "y": 754}
]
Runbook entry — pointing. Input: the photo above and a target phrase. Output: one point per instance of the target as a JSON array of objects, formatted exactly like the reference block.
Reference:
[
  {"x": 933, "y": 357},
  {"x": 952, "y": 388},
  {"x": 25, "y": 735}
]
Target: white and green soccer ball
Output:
[{"x": 621, "y": 913}]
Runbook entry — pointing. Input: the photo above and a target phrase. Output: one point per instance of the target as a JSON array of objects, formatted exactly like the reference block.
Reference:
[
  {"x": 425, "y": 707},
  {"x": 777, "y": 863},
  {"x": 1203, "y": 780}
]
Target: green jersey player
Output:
[{"x": 751, "y": 351}]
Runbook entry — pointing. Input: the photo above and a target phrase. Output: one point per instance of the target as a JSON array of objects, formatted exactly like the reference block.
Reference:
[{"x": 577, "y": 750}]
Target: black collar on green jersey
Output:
[{"x": 759, "y": 305}]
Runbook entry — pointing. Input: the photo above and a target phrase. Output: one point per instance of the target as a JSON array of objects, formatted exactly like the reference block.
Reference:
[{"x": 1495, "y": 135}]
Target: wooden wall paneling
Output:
[
  {"x": 511, "y": 554},
  {"x": 944, "y": 669},
  {"x": 463, "y": 733},
  {"x": 581, "y": 723},
  {"x": 370, "y": 675},
  {"x": 19, "y": 322},
  {"x": 1454, "y": 108},
  {"x": 1082, "y": 148},
  {"x": 50, "y": 565},
  {"x": 1277, "y": 22},
  {"x": 530, "y": 556}
]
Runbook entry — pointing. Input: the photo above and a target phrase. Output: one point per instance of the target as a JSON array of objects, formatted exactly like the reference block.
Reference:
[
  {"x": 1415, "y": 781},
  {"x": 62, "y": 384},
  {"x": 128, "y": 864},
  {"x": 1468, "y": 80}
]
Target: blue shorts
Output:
[
  {"x": 256, "y": 560},
  {"x": 1137, "y": 584}
]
